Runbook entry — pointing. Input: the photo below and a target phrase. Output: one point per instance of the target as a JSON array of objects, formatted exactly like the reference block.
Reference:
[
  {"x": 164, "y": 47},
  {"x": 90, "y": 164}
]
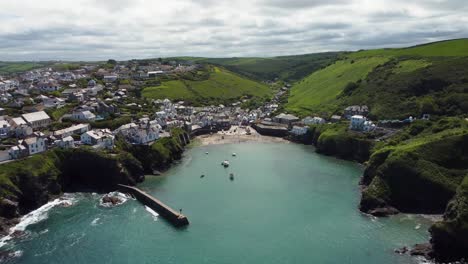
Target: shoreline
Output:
[{"x": 236, "y": 135}]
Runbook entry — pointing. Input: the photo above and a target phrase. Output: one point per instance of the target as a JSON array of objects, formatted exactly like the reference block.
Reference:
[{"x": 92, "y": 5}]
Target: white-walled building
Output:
[
  {"x": 99, "y": 138},
  {"x": 5, "y": 129},
  {"x": 299, "y": 130},
  {"x": 84, "y": 116},
  {"x": 76, "y": 129},
  {"x": 313, "y": 120},
  {"x": 37, "y": 119}
]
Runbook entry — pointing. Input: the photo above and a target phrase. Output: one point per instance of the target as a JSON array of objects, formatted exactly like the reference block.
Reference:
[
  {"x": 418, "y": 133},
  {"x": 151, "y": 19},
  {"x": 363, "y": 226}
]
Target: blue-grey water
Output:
[{"x": 286, "y": 204}]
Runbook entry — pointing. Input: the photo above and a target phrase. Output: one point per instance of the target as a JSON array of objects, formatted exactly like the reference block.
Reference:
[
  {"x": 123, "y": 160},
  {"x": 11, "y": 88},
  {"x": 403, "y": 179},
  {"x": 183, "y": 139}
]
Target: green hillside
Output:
[
  {"x": 219, "y": 86},
  {"x": 448, "y": 48},
  {"x": 15, "y": 67},
  {"x": 319, "y": 90},
  {"x": 289, "y": 68},
  {"x": 393, "y": 83}
]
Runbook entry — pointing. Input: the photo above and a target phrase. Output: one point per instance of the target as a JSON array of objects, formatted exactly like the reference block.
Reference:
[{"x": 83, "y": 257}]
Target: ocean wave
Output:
[
  {"x": 95, "y": 222},
  {"x": 38, "y": 215},
  {"x": 152, "y": 212}
]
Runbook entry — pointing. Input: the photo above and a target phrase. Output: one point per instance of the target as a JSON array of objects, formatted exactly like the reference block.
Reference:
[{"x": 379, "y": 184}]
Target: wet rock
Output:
[
  {"x": 111, "y": 200},
  {"x": 6, "y": 224},
  {"x": 424, "y": 250},
  {"x": 18, "y": 234},
  {"x": 8, "y": 208},
  {"x": 402, "y": 250},
  {"x": 384, "y": 211},
  {"x": 6, "y": 255}
]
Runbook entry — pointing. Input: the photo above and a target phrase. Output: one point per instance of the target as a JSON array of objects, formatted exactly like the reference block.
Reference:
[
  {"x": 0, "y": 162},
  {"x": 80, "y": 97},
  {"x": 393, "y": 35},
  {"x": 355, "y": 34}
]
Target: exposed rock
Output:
[
  {"x": 402, "y": 250},
  {"x": 18, "y": 234},
  {"x": 107, "y": 199},
  {"x": 424, "y": 250},
  {"x": 384, "y": 211},
  {"x": 8, "y": 208},
  {"x": 6, "y": 224},
  {"x": 6, "y": 255}
]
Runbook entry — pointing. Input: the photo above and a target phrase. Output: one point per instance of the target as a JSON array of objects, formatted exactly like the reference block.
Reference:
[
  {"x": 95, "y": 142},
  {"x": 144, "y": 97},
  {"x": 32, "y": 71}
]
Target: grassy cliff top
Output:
[
  {"x": 219, "y": 86},
  {"x": 448, "y": 48}
]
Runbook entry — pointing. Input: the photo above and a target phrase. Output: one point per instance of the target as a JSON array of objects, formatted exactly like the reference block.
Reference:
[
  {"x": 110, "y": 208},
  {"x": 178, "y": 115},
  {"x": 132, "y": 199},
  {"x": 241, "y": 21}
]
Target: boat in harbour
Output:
[{"x": 225, "y": 163}]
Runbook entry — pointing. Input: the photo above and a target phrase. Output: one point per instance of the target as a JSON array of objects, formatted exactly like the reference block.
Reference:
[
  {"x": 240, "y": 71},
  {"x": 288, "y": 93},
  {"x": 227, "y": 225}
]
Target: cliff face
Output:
[
  {"x": 416, "y": 178},
  {"x": 27, "y": 184},
  {"x": 336, "y": 140},
  {"x": 450, "y": 236}
]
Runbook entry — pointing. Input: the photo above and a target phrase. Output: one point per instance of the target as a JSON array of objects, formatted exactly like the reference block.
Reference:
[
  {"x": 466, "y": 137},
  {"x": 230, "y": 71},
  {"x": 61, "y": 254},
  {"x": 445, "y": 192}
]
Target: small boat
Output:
[
  {"x": 234, "y": 154},
  {"x": 225, "y": 163},
  {"x": 231, "y": 176}
]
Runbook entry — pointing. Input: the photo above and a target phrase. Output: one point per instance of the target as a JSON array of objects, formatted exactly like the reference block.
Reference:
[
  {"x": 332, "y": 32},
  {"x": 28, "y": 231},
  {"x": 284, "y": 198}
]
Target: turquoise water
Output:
[{"x": 287, "y": 204}]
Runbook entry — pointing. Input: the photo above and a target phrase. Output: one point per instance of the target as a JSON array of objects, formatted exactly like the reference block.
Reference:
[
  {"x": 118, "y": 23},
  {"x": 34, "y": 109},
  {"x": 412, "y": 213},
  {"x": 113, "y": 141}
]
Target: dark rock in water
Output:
[
  {"x": 6, "y": 224},
  {"x": 6, "y": 255},
  {"x": 424, "y": 250},
  {"x": 8, "y": 208},
  {"x": 384, "y": 211},
  {"x": 18, "y": 234},
  {"x": 401, "y": 251},
  {"x": 107, "y": 199}
]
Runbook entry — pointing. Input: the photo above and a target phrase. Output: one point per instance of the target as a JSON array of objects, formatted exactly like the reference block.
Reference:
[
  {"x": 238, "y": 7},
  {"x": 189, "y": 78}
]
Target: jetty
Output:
[{"x": 171, "y": 215}]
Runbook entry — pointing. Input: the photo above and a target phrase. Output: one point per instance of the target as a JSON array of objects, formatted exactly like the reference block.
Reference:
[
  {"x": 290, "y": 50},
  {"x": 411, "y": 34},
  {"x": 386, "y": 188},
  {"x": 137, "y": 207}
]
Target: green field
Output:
[
  {"x": 449, "y": 48},
  {"x": 394, "y": 83},
  {"x": 288, "y": 68},
  {"x": 317, "y": 91},
  {"x": 15, "y": 67},
  {"x": 221, "y": 85}
]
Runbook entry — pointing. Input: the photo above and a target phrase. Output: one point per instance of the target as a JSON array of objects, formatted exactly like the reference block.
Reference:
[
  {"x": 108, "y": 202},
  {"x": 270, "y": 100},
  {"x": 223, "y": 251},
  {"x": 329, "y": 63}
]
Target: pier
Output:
[{"x": 171, "y": 215}]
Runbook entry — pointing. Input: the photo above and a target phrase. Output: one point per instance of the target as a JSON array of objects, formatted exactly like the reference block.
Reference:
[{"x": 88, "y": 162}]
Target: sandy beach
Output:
[{"x": 236, "y": 135}]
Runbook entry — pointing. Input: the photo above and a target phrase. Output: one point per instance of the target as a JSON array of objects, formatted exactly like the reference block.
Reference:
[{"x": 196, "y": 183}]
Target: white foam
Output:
[
  {"x": 38, "y": 215},
  {"x": 122, "y": 196},
  {"x": 152, "y": 212},
  {"x": 418, "y": 226},
  {"x": 95, "y": 221}
]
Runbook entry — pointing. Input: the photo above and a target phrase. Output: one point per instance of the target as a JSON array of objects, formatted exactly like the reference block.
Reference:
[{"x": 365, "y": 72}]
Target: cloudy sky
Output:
[{"x": 126, "y": 29}]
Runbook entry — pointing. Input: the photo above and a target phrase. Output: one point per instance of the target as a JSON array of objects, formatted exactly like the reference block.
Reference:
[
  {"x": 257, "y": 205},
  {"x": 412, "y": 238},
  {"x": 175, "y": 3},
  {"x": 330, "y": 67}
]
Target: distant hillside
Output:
[
  {"x": 216, "y": 85},
  {"x": 448, "y": 48},
  {"x": 289, "y": 68},
  {"x": 15, "y": 67},
  {"x": 394, "y": 83}
]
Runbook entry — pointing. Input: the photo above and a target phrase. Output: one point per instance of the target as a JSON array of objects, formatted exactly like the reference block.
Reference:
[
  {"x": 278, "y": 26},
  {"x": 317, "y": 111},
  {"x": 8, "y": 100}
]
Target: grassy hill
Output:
[
  {"x": 448, "y": 48},
  {"x": 319, "y": 90},
  {"x": 289, "y": 68},
  {"x": 14, "y": 67},
  {"x": 219, "y": 86},
  {"x": 394, "y": 83}
]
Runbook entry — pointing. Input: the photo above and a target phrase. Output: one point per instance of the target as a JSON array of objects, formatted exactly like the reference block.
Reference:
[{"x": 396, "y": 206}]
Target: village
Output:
[{"x": 46, "y": 108}]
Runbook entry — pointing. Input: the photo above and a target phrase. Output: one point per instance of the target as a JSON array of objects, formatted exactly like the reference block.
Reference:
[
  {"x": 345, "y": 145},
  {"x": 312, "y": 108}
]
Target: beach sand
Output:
[{"x": 236, "y": 135}]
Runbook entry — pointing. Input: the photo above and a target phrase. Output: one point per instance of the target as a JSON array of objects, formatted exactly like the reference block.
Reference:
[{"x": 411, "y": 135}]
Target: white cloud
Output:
[{"x": 125, "y": 29}]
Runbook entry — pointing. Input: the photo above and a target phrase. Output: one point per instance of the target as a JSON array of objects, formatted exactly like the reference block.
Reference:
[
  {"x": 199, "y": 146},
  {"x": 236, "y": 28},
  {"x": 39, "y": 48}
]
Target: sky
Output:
[{"x": 135, "y": 29}]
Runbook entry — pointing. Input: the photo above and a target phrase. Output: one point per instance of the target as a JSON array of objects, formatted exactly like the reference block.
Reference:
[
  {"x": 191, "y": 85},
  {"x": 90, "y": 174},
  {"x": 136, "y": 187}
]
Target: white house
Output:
[
  {"x": 110, "y": 78},
  {"x": 37, "y": 119},
  {"x": 84, "y": 115},
  {"x": 357, "y": 122},
  {"x": 66, "y": 142},
  {"x": 99, "y": 138},
  {"x": 49, "y": 86},
  {"x": 299, "y": 130},
  {"x": 143, "y": 133},
  {"x": 23, "y": 130},
  {"x": 76, "y": 129},
  {"x": 313, "y": 120},
  {"x": 29, "y": 146},
  {"x": 360, "y": 123},
  {"x": 5, "y": 129},
  {"x": 17, "y": 152}
]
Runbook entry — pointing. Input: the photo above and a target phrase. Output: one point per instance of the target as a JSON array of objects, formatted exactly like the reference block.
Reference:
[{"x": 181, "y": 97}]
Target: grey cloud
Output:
[{"x": 293, "y": 4}]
